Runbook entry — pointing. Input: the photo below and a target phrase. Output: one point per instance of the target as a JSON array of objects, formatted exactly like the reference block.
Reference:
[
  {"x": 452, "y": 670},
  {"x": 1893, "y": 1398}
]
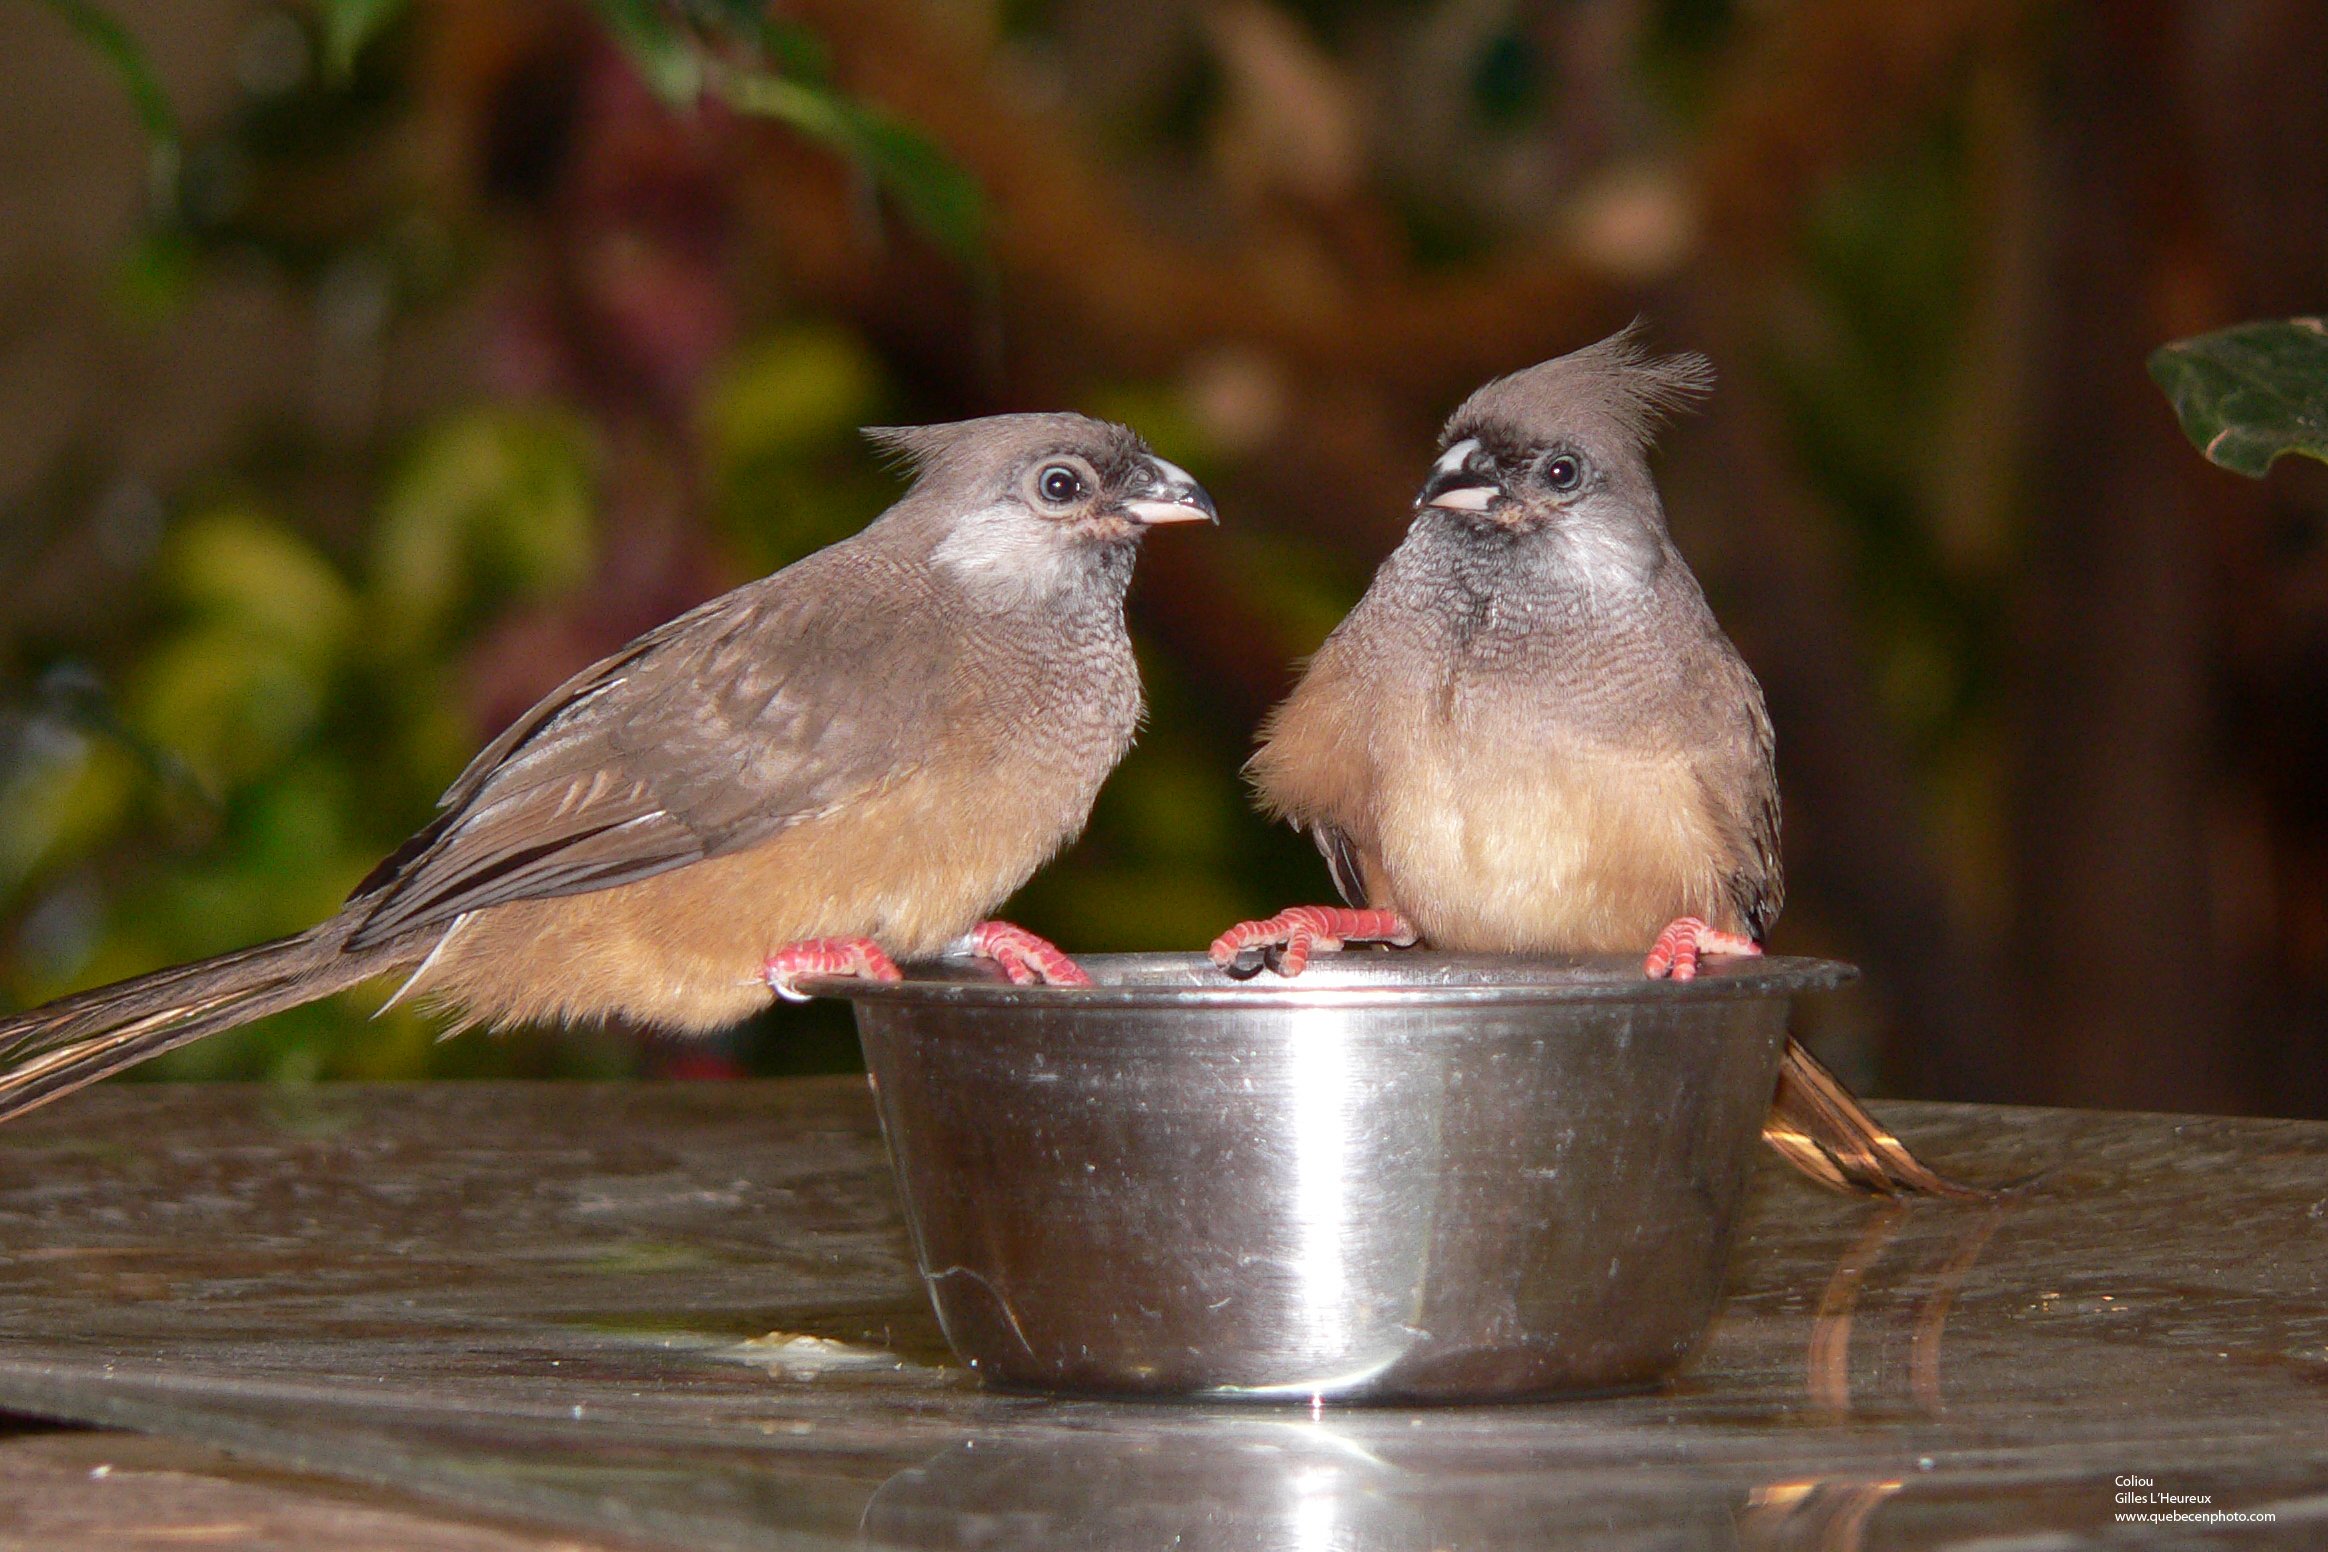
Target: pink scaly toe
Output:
[
  {"x": 1298, "y": 931},
  {"x": 1025, "y": 958},
  {"x": 858, "y": 957},
  {"x": 1677, "y": 950}
]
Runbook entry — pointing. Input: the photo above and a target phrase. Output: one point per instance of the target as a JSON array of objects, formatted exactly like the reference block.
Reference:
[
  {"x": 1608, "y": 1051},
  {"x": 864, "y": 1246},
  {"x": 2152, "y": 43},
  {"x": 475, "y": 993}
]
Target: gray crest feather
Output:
[
  {"x": 908, "y": 449},
  {"x": 1618, "y": 382}
]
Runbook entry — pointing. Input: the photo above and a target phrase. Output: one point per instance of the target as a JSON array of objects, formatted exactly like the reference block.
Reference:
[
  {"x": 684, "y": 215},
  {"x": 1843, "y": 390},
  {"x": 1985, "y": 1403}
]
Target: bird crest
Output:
[{"x": 1617, "y": 382}]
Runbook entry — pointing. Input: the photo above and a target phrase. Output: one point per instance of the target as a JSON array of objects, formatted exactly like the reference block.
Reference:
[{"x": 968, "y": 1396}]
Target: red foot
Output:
[
  {"x": 1683, "y": 940},
  {"x": 1025, "y": 958},
  {"x": 860, "y": 957},
  {"x": 1308, "y": 929}
]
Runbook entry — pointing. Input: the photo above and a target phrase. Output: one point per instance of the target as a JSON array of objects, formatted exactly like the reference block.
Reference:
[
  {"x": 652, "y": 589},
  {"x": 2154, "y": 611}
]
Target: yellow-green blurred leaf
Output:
[
  {"x": 228, "y": 701},
  {"x": 64, "y": 800},
  {"x": 1124, "y": 910},
  {"x": 240, "y": 570},
  {"x": 155, "y": 276},
  {"x": 494, "y": 497},
  {"x": 796, "y": 390},
  {"x": 665, "y": 57}
]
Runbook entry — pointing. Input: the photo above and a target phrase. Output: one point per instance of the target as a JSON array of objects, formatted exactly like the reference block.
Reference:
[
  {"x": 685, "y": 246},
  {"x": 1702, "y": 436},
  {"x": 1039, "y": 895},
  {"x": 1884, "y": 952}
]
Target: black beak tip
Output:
[{"x": 1170, "y": 494}]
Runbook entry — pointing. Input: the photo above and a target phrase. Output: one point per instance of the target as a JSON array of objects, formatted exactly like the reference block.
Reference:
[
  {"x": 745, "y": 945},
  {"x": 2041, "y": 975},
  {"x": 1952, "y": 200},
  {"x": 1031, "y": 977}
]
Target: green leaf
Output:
[
  {"x": 667, "y": 59},
  {"x": 933, "y": 192},
  {"x": 348, "y": 25},
  {"x": 2249, "y": 393},
  {"x": 796, "y": 50},
  {"x": 117, "y": 48}
]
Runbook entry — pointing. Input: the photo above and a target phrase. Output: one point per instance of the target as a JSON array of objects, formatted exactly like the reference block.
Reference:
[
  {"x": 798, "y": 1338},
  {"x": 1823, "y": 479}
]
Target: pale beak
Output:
[
  {"x": 1463, "y": 480},
  {"x": 1464, "y": 498},
  {"x": 1167, "y": 493}
]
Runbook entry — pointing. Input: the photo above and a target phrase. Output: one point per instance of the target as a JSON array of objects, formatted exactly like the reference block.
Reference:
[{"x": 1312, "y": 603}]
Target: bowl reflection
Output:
[{"x": 1277, "y": 1487}]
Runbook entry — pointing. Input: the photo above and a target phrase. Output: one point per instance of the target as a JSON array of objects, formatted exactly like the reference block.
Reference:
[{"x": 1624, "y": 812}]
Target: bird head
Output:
[
  {"x": 1561, "y": 448},
  {"x": 1024, "y": 504}
]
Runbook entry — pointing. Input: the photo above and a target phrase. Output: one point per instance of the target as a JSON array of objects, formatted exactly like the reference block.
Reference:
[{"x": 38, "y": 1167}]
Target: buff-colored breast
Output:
[{"x": 1568, "y": 848}]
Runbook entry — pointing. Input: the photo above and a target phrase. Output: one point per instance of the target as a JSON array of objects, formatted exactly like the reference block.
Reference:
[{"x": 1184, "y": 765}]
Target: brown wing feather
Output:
[
  {"x": 1736, "y": 770},
  {"x": 1758, "y": 885},
  {"x": 704, "y": 737},
  {"x": 1343, "y": 862}
]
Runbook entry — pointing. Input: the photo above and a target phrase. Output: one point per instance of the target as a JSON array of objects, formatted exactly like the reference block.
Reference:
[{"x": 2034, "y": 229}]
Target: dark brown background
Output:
[{"x": 416, "y": 391}]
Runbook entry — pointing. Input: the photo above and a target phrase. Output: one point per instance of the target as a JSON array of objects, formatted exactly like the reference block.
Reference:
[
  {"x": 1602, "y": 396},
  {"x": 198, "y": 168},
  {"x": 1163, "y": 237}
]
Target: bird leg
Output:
[
  {"x": 1676, "y": 951},
  {"x": 1025, "y": 958},
  {"x": 1301, "y": 930},
  {"x": 858, "y": 957}
]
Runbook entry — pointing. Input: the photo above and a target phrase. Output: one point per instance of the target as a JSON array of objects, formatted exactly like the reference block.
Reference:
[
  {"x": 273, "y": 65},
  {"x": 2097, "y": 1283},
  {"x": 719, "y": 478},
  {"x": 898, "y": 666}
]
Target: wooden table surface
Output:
[{"x": 524, "y": 1316}]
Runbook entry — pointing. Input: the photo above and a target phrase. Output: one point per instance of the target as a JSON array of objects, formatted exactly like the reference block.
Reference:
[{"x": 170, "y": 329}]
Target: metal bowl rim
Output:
[{"x": 1721, "y": 981}]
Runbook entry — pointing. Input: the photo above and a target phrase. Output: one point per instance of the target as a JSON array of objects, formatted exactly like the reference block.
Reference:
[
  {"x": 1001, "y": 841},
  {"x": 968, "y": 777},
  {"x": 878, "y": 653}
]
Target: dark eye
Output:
[
  {"x": 1059, "y": 484},
  {"x": 1565, "y": 472}
]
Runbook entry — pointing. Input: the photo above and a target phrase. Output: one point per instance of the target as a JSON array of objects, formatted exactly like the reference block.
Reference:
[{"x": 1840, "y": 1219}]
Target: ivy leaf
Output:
[{"x": 2251, "y": 392}]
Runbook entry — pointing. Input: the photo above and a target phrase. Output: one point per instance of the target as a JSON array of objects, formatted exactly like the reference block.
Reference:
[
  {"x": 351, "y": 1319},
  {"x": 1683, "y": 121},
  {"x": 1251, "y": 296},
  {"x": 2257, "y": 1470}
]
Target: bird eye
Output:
[
  {"x": 1059, "y": 484},
  {"x": 1565, "y": 472}
]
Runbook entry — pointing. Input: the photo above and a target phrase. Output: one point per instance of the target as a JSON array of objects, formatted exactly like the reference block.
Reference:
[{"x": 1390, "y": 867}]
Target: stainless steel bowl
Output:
[{"x": 1403, "y": 1177}]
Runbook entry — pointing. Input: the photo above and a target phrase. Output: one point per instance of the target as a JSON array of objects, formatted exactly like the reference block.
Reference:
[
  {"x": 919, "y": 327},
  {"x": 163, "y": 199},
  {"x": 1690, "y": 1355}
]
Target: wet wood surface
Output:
[
  {"x": 526, "y": 1316},
  {"x": 106, "y": 1491}
]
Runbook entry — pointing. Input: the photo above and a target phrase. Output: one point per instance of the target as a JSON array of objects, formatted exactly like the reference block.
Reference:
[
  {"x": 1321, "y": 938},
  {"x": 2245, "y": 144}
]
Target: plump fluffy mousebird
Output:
[
  {"x": 850, "y": 762},
  {"x": 1530, "y": 736}
]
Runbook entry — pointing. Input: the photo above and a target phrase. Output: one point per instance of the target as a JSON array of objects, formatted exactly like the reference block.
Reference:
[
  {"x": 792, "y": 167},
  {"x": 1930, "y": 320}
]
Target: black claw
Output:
[{"x": 1246, "y": 965}]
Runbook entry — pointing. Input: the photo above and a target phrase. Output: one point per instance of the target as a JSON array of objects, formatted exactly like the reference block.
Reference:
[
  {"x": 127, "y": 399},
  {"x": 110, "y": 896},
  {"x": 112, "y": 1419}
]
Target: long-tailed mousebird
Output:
[
  {"x": 1530, "y": 736},
  {"x": 845, "y": 764}
]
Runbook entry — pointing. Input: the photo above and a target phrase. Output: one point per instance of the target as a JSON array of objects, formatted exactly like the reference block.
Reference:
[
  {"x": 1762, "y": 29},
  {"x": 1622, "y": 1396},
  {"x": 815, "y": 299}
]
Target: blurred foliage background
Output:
[{"x": 367, "y": 366}]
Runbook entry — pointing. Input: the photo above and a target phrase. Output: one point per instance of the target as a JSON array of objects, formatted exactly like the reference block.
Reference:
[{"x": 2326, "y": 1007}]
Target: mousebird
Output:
[
  {"x": 845, "y": 764},
  {"x": 1530, "y": 736}
]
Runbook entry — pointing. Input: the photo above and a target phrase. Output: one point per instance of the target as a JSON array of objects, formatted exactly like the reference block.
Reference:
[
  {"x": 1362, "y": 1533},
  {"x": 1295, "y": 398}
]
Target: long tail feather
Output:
[
  {"x": 64, "y": 1045},
  {"x": 1819, "y": 1127}
]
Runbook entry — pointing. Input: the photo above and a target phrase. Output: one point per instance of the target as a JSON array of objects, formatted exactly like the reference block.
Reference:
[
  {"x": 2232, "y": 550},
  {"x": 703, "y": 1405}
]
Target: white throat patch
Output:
[
  {"x": 1608, "y": 562},
  {"x": 1004, "y": 555}
]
